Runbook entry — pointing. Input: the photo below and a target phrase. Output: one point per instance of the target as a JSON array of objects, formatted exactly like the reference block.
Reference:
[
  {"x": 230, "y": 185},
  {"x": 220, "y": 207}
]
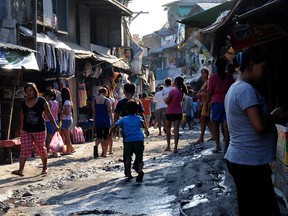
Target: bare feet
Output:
[
  {"x": 198, "y": 141},
  {"x": 44, "y": 172},
  {"x": 217, "y": 151},
  {"x": 17, "y": 172},
  {"x": 168, "y": 149}
]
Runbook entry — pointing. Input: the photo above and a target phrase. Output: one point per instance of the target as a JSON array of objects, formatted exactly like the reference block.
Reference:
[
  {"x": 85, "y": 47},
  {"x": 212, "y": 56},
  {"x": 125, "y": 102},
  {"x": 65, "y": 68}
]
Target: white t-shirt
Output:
[
  {"x": 166, "y": 91},
  {"x": 64, "y": 116},
  {"x": 159, "y": 100}
]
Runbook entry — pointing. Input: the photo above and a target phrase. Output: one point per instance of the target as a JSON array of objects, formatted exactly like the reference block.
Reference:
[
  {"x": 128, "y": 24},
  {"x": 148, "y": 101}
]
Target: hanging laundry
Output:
[{"x": 82, "y": 95}]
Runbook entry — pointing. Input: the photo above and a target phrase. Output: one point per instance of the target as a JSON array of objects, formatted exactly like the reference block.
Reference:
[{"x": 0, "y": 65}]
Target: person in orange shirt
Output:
[{"x": 146, "y": 102}]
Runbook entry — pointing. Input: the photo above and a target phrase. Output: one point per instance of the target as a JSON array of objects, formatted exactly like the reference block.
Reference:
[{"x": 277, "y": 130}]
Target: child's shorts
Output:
[{"x": 66, "y": 124}]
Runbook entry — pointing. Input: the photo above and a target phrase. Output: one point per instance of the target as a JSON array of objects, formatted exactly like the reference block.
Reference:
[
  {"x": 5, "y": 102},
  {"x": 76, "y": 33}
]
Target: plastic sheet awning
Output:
[
  {"x": 28, "y": 62},
  {"x": 15, "y": 47},
  {"x": 82, "y": 53},
  {"x": 17, "y": 57},
  {"x": 207, "y": 17},
  {"x": 116, "y": 62}
]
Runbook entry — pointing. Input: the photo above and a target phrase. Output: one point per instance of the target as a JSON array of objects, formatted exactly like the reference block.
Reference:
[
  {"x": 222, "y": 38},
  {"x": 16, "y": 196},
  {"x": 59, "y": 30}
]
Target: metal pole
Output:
[{"x": 35, "y": 25}]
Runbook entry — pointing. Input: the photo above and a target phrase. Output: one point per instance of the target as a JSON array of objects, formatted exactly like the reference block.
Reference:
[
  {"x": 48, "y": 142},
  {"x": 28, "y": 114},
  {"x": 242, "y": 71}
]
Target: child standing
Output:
[
  {"x": 188, "y": 110},
  {"x": 132, "y": 125},
  {"x": 146, "y": 102}
]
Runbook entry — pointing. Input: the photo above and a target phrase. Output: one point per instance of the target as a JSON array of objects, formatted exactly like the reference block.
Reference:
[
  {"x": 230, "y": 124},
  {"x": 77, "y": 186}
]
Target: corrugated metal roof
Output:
[
  {"x": 207, "y": 17},
  {"x": 15, "y": 47}
]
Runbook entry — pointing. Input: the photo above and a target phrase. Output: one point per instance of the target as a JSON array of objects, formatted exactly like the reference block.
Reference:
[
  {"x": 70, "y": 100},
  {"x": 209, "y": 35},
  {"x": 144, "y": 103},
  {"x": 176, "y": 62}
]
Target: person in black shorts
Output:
[{"x": 102, "y": 113}]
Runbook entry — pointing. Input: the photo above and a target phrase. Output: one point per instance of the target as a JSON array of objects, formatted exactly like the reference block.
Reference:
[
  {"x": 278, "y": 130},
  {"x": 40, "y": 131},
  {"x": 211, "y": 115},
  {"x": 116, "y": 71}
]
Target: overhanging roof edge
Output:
[
  {"x": 16, "y": 47},
  {"x": 198, "y": 17},
  {"x": 212, "y": 28},
  {"x": 121, "y": 6}
]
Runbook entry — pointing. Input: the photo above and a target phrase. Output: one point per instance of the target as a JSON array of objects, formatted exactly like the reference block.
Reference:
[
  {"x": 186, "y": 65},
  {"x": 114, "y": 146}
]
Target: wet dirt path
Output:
[{"x": 191, "y": 182}]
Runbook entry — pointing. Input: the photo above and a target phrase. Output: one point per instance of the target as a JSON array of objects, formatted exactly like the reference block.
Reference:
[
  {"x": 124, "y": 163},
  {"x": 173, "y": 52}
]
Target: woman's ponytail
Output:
[{"x": 180, "y": 84}]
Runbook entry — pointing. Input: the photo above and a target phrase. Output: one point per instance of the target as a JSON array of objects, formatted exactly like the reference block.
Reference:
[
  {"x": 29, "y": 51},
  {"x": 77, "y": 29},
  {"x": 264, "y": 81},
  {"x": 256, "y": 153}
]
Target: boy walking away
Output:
[
  {"x": 120, "y": 111},
  {"x": 132, "y": 125}
]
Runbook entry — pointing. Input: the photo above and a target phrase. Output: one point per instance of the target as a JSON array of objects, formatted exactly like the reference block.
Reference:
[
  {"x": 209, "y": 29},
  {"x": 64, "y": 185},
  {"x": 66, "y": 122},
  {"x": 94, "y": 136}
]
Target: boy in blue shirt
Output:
[
  {"x": 120, "y": 110},
  {"x": 132, "y": 125}
]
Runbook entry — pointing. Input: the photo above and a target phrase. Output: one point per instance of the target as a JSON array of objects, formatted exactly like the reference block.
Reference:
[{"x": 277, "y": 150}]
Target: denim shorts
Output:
[
  {"x": 50, "y": 127},
  {"x": 218, "y": 112},
  {"x": 66, "y": 124}
]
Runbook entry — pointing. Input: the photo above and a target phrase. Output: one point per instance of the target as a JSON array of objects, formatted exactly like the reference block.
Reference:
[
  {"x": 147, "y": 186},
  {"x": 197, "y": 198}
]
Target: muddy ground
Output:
[{"x": 194, "y": 182}]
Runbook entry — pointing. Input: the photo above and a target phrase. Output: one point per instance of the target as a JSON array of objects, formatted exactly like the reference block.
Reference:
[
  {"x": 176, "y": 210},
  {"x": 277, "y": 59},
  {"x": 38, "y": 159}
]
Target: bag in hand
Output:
[{"x": 56, "y": 144}]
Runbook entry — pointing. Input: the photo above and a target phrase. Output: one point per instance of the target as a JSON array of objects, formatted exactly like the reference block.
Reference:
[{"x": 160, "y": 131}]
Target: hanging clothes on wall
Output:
[
  {"x": 59, "y": 61},
  {"x": 87, "y": 70},
  {"x": 82, "y": 95},
  {"x": 96, "y": 72}
]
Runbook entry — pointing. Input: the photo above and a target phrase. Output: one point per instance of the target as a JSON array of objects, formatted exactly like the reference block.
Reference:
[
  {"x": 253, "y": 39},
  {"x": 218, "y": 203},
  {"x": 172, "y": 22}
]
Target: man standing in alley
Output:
[{"x": 160, "y": 108}]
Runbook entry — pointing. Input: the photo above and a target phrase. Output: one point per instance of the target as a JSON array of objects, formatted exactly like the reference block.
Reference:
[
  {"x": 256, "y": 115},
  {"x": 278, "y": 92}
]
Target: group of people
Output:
[
  {"x": 36, "y": 129},
  {"x": 108, "y": 116},
  {"x": 237, "y": 109},
  {"x": 175, "y": 99}
]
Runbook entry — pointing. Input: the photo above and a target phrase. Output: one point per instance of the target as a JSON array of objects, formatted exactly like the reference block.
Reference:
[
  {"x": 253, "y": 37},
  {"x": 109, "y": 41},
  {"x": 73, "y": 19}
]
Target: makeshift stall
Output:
[{"x": 262, "y": 23}]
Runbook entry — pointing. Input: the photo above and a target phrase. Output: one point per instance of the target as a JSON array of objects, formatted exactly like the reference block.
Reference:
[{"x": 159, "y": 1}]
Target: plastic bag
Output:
[
  {"x": 56, "y": 144},
  {"x": 77, "y": 135}
]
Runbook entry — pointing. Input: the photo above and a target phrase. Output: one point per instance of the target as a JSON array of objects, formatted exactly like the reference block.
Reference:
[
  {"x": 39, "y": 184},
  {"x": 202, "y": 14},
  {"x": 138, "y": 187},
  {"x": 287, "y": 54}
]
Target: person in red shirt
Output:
[
  {"x": 174, "y": 111},
  {"x": 146, "y": 102},
  {"x": 218, "y": 85}
]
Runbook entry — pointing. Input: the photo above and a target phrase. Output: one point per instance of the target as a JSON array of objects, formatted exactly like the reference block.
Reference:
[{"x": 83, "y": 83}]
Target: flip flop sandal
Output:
[{"x": 67, "y": 153}]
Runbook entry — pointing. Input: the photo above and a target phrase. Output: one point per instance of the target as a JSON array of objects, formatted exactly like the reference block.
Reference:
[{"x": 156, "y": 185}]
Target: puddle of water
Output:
[
  {"x": 188, "y": 188},
  {"x": 197, "y": 199}
]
